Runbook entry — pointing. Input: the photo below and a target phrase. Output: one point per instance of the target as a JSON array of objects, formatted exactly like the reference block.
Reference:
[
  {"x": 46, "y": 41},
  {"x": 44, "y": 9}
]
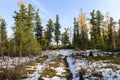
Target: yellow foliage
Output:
[
  {"x": 82, "y": 22},
  {"x": 106, "y": 24},
  {"x": 105, "y": 29}
]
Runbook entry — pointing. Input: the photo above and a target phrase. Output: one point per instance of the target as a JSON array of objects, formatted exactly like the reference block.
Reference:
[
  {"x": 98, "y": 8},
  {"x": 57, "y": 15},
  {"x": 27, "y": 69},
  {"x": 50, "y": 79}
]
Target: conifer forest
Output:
[{"x": 89, "y": 49}]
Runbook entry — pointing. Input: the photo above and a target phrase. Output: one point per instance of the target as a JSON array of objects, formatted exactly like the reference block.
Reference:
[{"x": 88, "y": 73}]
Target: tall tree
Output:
[
  {"x": 93, "y": 29},
  {"x": 23, "y": 31},
  {"x": 83, "y": 30},
  {"x": 12, "y": 47},
  {"x": 65, "y": 38},
  {"x": 118, "y": 37},
  {"x": 32, "y": 44},
  {"x": 39, "y": 28},
  {"x": 114, "y": 35},
  {"x": 3, "y": 37},
  {"x": 110, "y": 34},
  {"x": 50, "y": 29},
  {"x": 45, "y": 41},
  {"x": 99, "y": 19},
  {"x": 19, "y": 28},
  {"x": 57, "y": 30},
  {"x": 105, "y": 31},
  {"x": 75, "y": 34},
  {"x": 96, "y": 21}
]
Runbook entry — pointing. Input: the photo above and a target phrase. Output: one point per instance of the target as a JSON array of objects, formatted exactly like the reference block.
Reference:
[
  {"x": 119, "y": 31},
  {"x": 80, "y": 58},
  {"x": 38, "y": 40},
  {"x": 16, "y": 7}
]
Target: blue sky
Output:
[{"x": 66, "y": 9}]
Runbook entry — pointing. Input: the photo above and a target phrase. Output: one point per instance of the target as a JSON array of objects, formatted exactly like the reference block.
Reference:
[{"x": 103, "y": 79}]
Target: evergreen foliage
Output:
[
  {"x": 24, "y": 38},
  {"x": 49, "y": 32},
  {"x": 65, "y": 38},
  {"x": 57, "y": 30},
  {"x": 30, "y": 36},
  {"x": 3, "y": 38},
  {"x": 38, "y": 28}
]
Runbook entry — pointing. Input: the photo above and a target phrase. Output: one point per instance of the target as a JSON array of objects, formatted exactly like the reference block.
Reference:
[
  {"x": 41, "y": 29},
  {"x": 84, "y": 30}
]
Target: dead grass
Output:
[
  {"x": 48, "y": 72},
  {"x": 16, "y": 73},
  {"x": 105, "y": 57},
  {"x": 30, "y": 71},
  {"x": 13, "y": 74},
  {"x": 55, "y": 65},
  {"x": 98, "y": 74},
  {"x": 31, "y": 63},
  {"x": 41, "y": 61},
  {"x": 56, "y": 62}
]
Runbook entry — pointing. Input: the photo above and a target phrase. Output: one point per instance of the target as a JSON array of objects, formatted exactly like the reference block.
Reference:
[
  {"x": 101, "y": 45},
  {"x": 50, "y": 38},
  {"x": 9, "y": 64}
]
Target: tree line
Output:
[
  {"x": 30, "y": 37},
  {"x": 101, "y": 32}
]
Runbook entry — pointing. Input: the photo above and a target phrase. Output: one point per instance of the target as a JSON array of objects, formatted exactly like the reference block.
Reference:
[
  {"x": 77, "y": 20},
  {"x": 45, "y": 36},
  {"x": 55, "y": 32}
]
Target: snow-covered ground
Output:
[
  {"x": 54, "y": 61},
  {"x": 97, "y": 70},
  {"x": 72, "y": 67},
  {"x": 11, "y": 62}
]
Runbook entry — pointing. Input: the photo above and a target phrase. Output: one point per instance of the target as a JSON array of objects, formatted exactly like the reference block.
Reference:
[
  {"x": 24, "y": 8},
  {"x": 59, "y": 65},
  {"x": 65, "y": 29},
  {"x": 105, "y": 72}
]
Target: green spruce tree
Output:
[
  {"x": 57, "y": 30},
  {"x": 49, "y": 32},
  {"x": 3, "y": 37},
  {"x": 25, "y": 40},
  {"x": 39, "y": 28},
  {"x": 65, "y": 38},
  {"x": 19, "y": 29},
  {"x": 93, "y": 29},
  {"x": 75, "y": 34},
  {"x": 118, "y": 37},
  {"x": 110, "y": 35},
  {"x": 99, "y": 19}
]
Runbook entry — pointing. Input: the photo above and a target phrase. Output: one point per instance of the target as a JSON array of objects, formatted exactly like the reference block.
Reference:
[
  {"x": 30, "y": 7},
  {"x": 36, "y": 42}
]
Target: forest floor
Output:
[{"x": 66, "y": 64}]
